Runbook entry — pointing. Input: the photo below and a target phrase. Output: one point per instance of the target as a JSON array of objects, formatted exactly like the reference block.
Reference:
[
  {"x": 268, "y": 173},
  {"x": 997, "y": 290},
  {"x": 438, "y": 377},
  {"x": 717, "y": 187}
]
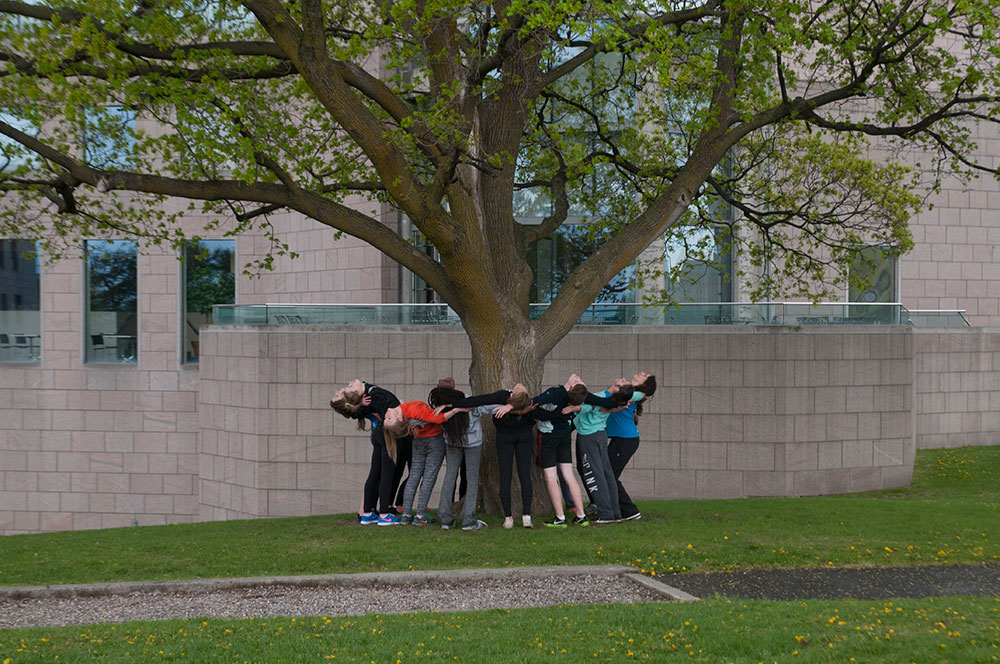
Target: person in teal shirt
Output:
[{"x": 592, "y": 446}]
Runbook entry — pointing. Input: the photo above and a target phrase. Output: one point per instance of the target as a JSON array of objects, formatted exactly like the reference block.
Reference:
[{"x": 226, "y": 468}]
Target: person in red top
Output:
[{"x": 424, "y": 423}]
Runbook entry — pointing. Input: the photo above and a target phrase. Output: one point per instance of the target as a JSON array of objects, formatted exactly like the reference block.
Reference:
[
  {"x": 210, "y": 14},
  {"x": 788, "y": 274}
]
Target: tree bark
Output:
[{"x": 502, "y": 356}]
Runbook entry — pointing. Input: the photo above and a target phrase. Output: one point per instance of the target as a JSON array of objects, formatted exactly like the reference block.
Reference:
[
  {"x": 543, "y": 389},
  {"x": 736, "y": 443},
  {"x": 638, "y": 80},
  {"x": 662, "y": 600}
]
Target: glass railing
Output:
[
  {"x": 933, "y": 318},
  {"x": 729, "y": 313},
  {"x": 334, "y": 314}
]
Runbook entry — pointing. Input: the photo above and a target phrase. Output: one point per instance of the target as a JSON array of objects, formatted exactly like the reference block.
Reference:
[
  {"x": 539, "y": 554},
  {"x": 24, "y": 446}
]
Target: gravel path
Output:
[{"x": 328, "y": 600}]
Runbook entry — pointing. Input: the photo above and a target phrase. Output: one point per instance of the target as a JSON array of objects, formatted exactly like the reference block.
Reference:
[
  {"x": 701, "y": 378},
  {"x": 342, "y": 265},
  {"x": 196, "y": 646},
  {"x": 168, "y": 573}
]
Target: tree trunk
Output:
[{"x": 501, "y": 357}]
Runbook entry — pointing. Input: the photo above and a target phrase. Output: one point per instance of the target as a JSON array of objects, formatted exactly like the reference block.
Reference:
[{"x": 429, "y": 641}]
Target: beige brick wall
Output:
[
  {"x": 100, "y": 445},
  {"x": 769, "y": 412},
  {"x": 958, "y": 388},
  {"x": 955, "y": 262},
  {"x": 740, "y": 412}
]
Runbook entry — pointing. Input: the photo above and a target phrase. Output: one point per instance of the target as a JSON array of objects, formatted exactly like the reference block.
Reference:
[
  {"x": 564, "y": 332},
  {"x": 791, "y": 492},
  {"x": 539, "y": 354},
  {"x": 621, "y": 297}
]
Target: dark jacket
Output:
[{"x": 558, "y": 397}]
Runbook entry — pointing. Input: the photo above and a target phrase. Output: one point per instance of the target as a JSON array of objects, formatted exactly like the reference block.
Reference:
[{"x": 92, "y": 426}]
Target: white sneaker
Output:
[
  {"x": 508, "y": 522},
  {"x": 479, "y": 524},
  {"x": 526, "y": 521}
]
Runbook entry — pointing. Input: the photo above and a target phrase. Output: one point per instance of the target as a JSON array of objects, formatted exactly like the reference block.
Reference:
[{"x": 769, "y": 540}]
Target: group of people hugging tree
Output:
[{"x": 447, "y": 429}]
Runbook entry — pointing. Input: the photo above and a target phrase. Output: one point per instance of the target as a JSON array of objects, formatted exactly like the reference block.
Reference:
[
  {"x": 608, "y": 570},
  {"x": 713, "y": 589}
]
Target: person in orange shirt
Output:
[{"x": 424, "y": 423}]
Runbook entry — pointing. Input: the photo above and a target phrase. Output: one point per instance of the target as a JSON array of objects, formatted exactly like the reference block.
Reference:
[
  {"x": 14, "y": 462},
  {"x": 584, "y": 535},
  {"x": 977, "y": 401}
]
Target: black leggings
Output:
[
  {"x": 511, "y": 443},
  {"x": 380, "y": 486}
]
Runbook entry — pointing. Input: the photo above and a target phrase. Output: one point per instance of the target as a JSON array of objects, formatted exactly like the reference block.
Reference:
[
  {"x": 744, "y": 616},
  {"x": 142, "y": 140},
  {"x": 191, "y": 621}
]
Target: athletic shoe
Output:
[
  {"x": 602, "y": 521},
  {"x": 632, "y": 517},
  {"x": 423, "y": 520},
  {"x": 557, "y": 523},
  {"x": 388, "y": 520},
  {"x": 526, "y": 521},
  {"x": 581, "y": 521},
  {"x": 479, "y": 524},
  {"x": 406, "y": 519},
  {"x": 446, "y": 526},
  {"x": 508, "y": 522},
  {"x": 368, "y": 519}
]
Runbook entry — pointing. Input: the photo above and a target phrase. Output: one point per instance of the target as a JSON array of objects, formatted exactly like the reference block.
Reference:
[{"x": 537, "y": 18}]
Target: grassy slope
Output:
[{"x": 948, "y": 516}]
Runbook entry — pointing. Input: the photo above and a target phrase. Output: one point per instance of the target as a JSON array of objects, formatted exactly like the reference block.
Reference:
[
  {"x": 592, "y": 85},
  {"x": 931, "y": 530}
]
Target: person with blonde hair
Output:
[
  {"x": 421, "y": 421},
  {"x": 366, "y": 402}
]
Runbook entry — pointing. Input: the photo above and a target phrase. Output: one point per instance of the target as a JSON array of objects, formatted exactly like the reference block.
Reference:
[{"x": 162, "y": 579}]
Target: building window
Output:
[
  {"x": 20, "y": 302},
  {"x": 111, "y": 330},
  {"x": 553, "y": 259},
  {"x": 209, "y": 278},
  {"x": 109, "y": 137},
  {"x": 420, "y": 291},
  {"x": 873, "y": 277},
  {"x": 698, "y": 264},
  {"x": 13, "y": 155}
]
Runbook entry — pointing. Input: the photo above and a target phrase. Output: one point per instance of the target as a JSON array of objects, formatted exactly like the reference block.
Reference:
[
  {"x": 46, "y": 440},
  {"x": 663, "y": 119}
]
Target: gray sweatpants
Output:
[
  {"x": 428, "y": 453},
  {"x": 473, "y": 456},
  {"x": 604, "y": 488}
]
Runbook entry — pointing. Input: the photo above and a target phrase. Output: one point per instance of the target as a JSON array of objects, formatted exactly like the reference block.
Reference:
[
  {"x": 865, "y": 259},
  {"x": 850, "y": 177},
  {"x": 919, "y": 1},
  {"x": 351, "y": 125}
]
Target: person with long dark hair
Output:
[
  {"x": 464, "y": 437},
  {"x": 514, "y": 438},
  {"x": 623, "y": 441}
]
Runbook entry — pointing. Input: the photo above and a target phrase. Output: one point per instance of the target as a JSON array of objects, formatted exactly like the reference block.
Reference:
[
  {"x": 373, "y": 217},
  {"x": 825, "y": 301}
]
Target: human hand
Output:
[
  {"x": 439, "y": 410},
  {"x": 570, "y": 409},
  {"x": 366, "y": 400},
  {"x": 500, "y": 411}
]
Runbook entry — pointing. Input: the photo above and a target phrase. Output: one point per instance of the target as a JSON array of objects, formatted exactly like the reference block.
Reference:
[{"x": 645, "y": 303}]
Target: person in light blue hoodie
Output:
[
  {"x": 623, "y": 441},
  {"x": 592, "y": 444}
]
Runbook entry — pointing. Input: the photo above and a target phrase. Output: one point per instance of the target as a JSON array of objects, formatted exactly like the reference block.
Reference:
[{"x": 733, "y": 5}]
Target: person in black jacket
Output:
[
  {"x": 514, "y": 437},
  {"x": 366, "y": 402},
  {"x": 555, "y": 432}
]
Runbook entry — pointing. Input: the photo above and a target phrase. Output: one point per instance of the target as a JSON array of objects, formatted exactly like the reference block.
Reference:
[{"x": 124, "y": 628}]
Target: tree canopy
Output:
[{"x": 802, "y": 127}]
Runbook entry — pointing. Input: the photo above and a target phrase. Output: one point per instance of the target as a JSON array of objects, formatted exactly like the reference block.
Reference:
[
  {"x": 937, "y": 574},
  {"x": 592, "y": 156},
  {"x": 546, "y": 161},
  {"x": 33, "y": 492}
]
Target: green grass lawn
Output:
[
  {"x": 948, "y": 516},
  {"x": 953, "y": 629}
]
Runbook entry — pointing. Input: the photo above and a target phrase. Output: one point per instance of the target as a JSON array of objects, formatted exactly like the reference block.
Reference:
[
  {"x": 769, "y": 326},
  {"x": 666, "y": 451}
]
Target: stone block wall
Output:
[
  {"x": 958, "y": 387},
  {"x": 100, "y": 445},
  {"x": 740, "y": 412}
]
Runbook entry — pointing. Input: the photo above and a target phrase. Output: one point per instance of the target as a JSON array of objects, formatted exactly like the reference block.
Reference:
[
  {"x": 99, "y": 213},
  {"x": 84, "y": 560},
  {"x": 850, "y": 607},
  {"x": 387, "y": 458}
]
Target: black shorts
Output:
[{"x": 556, "y": 448}]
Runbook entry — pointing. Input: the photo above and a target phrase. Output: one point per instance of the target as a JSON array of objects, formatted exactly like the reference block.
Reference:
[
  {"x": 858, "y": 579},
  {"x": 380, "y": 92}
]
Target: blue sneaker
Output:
[
  {"x": 388, "y": 520},
  {"x": 369, "y": 519}
]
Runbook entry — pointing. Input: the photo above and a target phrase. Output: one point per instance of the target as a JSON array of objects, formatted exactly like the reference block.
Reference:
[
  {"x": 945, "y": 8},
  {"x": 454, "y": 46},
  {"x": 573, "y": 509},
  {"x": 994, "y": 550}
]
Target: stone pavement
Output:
[
  {"x": 452, "y": 590},
  {"x": 843, "y": 583}
]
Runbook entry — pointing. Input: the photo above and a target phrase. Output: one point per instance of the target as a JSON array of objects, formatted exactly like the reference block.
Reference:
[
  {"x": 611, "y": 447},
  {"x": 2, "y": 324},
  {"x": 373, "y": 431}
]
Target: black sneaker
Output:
[
  {"x": 632, "y": 517},
  {"x": 602, "y": 521},
  {"x": 557, "y": 523},
  {"x": 581, "y": 521}
]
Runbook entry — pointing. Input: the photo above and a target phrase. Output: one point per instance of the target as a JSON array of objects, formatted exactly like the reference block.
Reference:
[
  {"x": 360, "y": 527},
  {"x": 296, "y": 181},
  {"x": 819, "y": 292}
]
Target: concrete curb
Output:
[
  {"x": 315, "y": 580},
  {"x": 676, "y": 594}
]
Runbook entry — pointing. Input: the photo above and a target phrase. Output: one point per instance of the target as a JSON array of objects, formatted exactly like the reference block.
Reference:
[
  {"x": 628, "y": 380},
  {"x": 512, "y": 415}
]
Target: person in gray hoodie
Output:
[{"x": 463, "y": 443}]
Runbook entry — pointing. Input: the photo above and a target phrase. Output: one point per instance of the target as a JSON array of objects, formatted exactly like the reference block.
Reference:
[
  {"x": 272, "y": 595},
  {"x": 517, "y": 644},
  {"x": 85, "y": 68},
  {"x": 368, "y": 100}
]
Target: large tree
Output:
[{"x": 643, "y": 117}]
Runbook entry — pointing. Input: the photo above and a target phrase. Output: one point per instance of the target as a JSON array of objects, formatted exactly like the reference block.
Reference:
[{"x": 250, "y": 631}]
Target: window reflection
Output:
[
  {"x": 111, "y": 333},
  {"x": 553, "y": 259},
  {"x": 698, "y": 264},
  {"x": 20, "y": 300},
  {"x": 209, "y": 279}
]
